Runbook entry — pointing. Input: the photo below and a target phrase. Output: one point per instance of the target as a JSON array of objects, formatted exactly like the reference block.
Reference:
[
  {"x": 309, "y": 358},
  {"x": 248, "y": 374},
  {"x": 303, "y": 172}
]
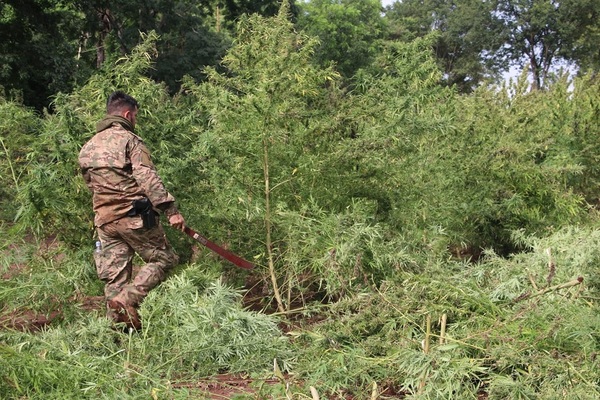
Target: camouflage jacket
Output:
[{"x": 117, "y": 168}]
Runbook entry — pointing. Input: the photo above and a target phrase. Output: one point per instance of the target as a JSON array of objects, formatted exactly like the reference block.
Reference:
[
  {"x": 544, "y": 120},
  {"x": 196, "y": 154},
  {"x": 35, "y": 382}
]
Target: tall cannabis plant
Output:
[
  {"x": 515, "y": 153},
  {"x": 18, "y": 129},
  {"x": 259, "y": 147}
]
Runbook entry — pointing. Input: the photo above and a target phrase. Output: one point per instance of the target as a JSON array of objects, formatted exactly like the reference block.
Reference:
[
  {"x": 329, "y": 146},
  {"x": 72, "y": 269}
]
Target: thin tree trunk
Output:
[
  {"x": 105, "y": 28},
  {"x": 534, "y": 67}
]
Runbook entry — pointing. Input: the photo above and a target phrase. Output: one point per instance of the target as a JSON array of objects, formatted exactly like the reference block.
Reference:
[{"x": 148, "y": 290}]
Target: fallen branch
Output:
[{"x": 555, "y": 288}]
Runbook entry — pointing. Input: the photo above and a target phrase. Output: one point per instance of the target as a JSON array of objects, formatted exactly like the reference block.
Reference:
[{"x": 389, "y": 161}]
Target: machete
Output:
[{"x": 240, "y": 262}]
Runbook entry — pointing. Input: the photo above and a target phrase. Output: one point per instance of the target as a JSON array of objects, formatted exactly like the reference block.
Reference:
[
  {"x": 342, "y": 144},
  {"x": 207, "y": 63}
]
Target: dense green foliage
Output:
[
  {"x": 469, "y": 35},
  {"x": 348, "y": 30},
  {"x": 374, "y": 212},
  {"x": 50, "y": 47},
  {"x": 494, "y": 341}
]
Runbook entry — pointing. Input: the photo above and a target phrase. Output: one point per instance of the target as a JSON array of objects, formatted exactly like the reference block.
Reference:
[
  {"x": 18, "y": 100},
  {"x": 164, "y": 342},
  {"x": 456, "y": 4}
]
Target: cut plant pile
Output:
[
  {"x": 225, "y": 386},
  {"x": 218, "y": 387},
  {"x": 472, "y": 333}
]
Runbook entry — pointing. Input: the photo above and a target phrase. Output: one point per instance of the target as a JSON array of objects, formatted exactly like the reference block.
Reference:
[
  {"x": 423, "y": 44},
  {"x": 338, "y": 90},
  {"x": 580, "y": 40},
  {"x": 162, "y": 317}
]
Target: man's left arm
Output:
[{"x": 147, "y": 177}]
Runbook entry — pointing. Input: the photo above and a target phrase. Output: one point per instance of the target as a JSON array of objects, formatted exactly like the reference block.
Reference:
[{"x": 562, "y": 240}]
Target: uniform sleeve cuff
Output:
[{"x": 169, "y": 209}]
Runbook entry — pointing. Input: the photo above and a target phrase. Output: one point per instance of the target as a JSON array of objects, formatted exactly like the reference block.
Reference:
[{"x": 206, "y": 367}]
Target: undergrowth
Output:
[
  {"x": 503, "y": 336},
  {"x": 194, "y": 327},
  {"x": 521, "y": 327}
]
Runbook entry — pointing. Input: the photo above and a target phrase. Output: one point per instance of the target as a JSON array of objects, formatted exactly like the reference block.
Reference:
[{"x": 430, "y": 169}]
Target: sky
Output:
[{"x": 387, "y": 2}]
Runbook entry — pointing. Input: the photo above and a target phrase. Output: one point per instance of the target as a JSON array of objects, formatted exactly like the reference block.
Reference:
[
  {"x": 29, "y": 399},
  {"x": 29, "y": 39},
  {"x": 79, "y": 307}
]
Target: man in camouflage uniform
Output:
[{"x": 117, "y": 168}]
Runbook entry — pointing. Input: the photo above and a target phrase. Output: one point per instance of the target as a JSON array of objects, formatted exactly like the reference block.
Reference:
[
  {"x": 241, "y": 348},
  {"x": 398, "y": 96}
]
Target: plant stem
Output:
[
  {"x": 427, "y": 335},
  {"x": 12, "y": 169},
  {"x": 554, "y": 288},
  {"x": 269, "y": 243},
  {"x": 314, "y": 393},
  {"x": 426, "y": 350},
  {"x": 374, "y": 394}
]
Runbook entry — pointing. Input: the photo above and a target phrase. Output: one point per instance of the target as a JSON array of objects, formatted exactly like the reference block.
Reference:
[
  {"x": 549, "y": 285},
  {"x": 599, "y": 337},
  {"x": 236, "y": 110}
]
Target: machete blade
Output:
[{"x": 226, "y": 254}]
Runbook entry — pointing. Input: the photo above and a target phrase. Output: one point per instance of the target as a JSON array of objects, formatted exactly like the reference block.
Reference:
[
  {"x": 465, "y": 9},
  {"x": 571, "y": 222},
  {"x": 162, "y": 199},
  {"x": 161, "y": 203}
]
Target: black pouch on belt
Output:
[{"x": 143, "y": 207}]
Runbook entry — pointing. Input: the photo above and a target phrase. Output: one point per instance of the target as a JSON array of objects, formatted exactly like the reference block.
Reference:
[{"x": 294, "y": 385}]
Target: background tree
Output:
[
  {"x": 469, "y": 33},
  {"x": 187, "y": 29},
  {"x": 234, "y": 9},
  {"x": 48, "y": 46},
  {"x": 348, "y": 31},
  {"x": 38, "y": 49},
  {"x": 192, "y": 34},
  {"x": 586, "y": 50},
  {"x": 548, "y": 33}
]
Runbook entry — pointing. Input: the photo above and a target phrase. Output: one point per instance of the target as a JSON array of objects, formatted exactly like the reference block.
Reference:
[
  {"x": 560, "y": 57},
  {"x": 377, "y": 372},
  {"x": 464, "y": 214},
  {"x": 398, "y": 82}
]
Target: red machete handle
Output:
[{"x": 240, "y": 262}]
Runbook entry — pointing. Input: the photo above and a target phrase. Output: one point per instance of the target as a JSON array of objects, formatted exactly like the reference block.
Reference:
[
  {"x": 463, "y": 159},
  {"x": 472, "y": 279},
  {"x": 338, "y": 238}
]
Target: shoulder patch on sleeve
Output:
[
  {"x": 139, "y": 153},
  {"x": 145, "y": 158}
]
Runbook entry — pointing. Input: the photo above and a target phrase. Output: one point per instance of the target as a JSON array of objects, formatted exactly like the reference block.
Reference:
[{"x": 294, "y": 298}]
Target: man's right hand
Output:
[{"x": 177, "y": 221}]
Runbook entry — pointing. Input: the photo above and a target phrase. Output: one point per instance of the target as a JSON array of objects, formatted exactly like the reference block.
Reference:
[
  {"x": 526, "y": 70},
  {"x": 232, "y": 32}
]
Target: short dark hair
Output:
[{"x": 120, "y": 101}]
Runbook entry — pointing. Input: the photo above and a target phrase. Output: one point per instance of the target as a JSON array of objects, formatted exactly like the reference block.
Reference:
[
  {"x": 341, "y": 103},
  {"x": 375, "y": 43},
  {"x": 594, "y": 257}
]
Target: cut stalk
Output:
[
  {"x": 314, "y": 393},
  {"x": 425, "y": 350},
  {"x": 374, "y": 392},
  {"x": 551, "y": 267},
  {"x": 554, "y": 288},
  {"x": 443, "y": 329}
]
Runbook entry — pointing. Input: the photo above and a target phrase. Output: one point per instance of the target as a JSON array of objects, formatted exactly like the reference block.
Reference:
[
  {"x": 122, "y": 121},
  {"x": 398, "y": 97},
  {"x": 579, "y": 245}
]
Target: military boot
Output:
[{"x": 124, "y": 313}]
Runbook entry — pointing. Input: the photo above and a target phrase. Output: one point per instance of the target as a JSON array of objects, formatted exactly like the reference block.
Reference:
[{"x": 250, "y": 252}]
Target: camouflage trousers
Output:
[{"x": 121, "y": 240}]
